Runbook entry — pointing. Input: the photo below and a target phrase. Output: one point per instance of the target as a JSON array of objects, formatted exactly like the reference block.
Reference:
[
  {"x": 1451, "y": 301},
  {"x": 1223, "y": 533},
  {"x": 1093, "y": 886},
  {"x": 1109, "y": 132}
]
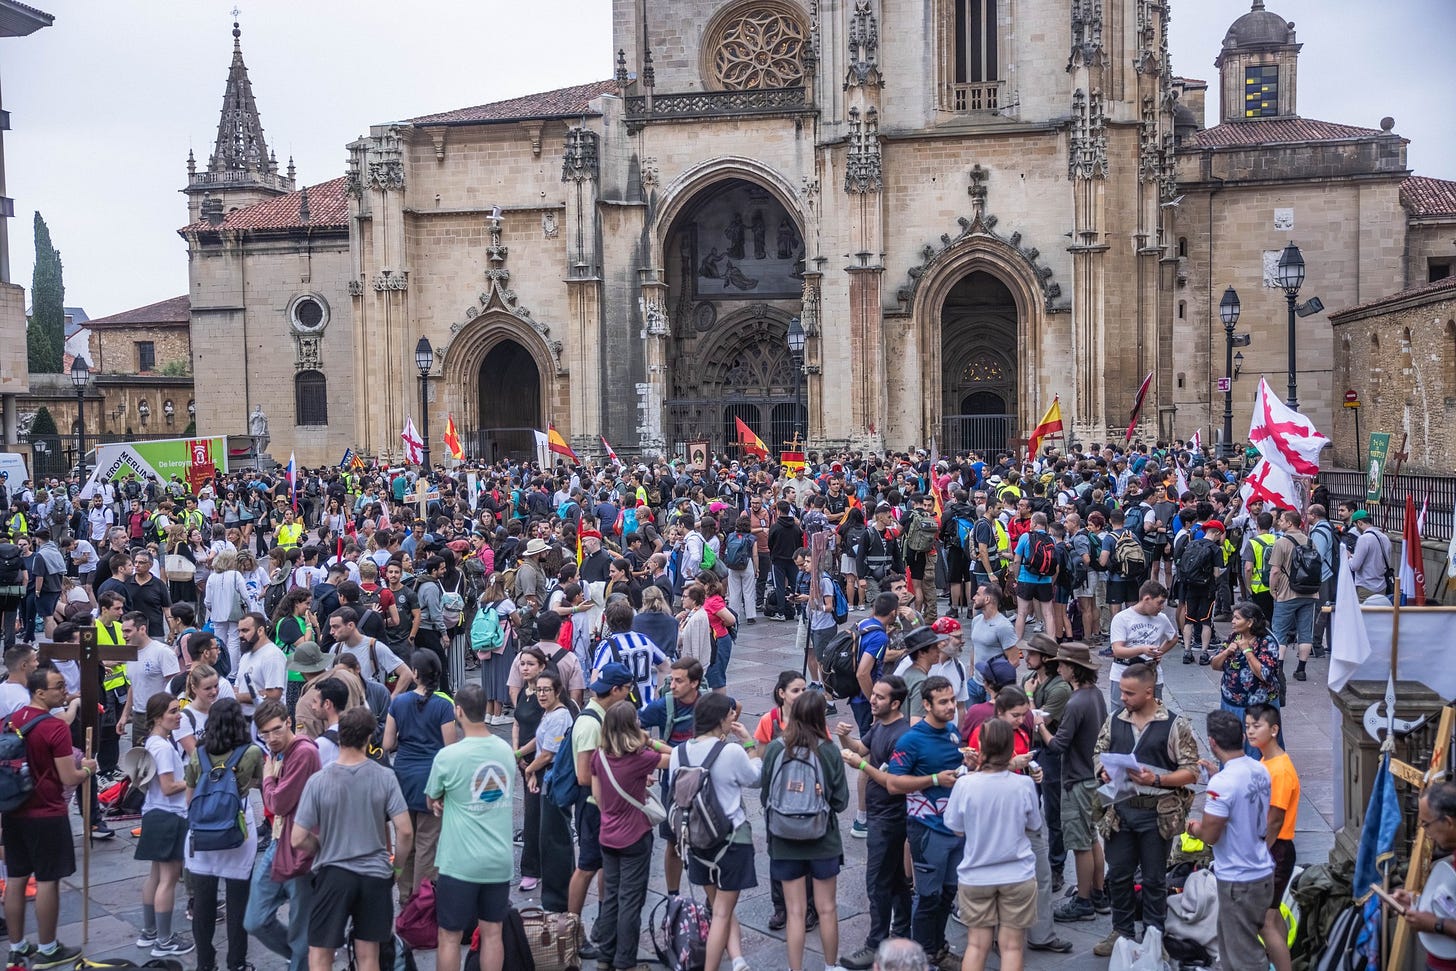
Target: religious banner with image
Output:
[{"x": 1379, "y": 450}]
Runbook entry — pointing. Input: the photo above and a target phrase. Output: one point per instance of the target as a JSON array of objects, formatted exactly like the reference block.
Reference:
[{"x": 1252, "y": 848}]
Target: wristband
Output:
[
  {"x": 862, "y": 764},
  {"x": 749, "y": 744}
]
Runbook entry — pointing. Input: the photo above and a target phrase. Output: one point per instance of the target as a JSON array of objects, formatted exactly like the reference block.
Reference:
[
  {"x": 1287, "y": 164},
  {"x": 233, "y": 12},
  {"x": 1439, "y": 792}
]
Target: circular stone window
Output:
[
  {"x": 308, "y": 313},
  {"x": 756, "y": 47}
]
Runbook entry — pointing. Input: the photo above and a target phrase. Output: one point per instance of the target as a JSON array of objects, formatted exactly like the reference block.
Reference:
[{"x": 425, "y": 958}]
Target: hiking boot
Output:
[
  {"x": 946, "y": 960},
  {"x": 1075, "y": 909},
  {"x": 1103, "y": 948},
  {"x": 1058, "y": 944},
  {"x": 1204, "y": 659},
  {"x": 1101, "y": 902},
  {"x": 1187, "y": 657},
  {"x": 778, "y": 920},
  {"x": 861, "y": 960},
  {"x": 61, "y": 956}
]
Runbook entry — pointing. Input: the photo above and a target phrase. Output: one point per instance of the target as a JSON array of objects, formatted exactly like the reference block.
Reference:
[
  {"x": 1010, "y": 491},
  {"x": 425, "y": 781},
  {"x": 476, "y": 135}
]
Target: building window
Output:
[
  {"x": 1261, "y": 91},
  {"x": 308, "y": 314},
  {"x": 1437, "y": 270},
  {"x": 970, "y": 56},
  {"x": 310, "y": 398},
  {"x": 1451, "y": 356},
  {"x": 146, "y": 356}
]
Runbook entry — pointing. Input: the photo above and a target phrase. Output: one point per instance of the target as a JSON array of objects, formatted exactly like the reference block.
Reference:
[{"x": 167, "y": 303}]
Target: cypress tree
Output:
[
  {"x": 45, "y": 335},
  {"x": 43, "y": 425}
]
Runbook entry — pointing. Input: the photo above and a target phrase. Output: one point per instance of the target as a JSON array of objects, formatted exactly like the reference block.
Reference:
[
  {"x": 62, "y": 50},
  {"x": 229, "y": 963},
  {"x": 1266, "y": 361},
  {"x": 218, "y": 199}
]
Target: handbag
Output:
[
  {"x": 552, "y": 939},
  {"x": 178, "y": 568},
  {"x": 652, "y": 808}
]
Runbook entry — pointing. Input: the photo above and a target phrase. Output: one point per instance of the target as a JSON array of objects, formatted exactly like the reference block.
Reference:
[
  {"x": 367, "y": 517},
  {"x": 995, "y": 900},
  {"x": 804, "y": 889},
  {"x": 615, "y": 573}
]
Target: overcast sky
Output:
[{"x": 106, "y": 103}]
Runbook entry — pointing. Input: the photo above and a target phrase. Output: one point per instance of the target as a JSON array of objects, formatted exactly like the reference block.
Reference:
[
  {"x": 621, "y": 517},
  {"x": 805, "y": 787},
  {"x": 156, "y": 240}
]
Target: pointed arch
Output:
[{"x": 462, "y": 357}]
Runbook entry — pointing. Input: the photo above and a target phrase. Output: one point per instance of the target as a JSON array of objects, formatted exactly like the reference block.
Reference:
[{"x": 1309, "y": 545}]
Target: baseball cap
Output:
[
  {"x": 611, "y": 676},
  {"x": 996, "y": 672},
  {"x": 946, "y": 625},
  {"x": 1358, "y": 515}
]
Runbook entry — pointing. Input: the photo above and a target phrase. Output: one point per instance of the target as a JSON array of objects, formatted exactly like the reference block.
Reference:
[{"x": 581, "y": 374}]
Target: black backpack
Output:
[
  {"x": 1197, "y": 562},
  {"x": 16, "y": 780},
  {"x": 11, "y": 563},
  {"x": 1305, "y": 568}
]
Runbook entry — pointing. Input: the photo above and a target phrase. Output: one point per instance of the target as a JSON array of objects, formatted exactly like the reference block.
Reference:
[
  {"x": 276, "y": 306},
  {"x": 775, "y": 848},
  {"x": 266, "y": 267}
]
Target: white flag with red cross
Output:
[{"x": 1284, "y": 436}]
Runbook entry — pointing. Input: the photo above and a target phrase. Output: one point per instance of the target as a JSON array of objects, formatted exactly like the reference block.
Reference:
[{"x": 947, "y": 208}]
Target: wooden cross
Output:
[
  {"x": 91, "y": 657},
  {"x": 424, "y": 495}
]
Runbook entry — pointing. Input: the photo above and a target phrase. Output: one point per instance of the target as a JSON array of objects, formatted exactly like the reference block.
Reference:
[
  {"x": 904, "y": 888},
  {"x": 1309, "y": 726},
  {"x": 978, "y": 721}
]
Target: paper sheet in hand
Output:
[{"x": 1119, "y": 786}]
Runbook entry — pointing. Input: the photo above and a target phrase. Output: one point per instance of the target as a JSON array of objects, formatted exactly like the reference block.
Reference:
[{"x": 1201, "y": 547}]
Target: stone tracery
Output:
[{"x": 762, "y": 47}]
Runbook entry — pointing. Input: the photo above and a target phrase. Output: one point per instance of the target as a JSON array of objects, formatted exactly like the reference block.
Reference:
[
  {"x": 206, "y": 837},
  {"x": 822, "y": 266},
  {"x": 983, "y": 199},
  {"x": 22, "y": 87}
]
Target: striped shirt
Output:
[{"x": 641, "y": 656}]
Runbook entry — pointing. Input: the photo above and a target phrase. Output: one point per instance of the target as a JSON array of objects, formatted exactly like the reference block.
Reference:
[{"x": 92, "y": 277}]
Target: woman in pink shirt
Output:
[{"x": 723, "y": 623}]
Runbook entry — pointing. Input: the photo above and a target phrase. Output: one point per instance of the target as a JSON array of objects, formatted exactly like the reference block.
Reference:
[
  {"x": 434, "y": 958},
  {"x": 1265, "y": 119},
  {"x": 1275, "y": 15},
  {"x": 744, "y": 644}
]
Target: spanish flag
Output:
[
  {"x": 750, "y": 443},
  {"x": 557, "y": 444},
  {"x": 1050, "y": 424},
  {"x": 452, "y": 439}
]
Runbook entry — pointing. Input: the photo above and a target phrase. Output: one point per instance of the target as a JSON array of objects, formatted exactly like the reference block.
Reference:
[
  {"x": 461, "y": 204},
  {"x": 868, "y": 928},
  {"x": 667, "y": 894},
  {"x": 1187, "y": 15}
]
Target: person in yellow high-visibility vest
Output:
[
  {"x": 1256, "y": 563},
  {"x": 290, "y": 531}
]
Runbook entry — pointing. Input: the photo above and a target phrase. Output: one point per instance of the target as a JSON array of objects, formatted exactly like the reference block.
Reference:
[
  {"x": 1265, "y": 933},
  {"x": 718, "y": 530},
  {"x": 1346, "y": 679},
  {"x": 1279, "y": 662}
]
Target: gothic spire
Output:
[{"x": 240, "y": 149}]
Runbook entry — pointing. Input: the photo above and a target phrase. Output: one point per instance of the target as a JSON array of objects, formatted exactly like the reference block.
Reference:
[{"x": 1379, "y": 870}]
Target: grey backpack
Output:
[{"x": 797, "y": 807}]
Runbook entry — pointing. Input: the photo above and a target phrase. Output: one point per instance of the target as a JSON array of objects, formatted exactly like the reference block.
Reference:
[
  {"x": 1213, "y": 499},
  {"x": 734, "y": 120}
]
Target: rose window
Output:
[{"x": 760, "y": 49}]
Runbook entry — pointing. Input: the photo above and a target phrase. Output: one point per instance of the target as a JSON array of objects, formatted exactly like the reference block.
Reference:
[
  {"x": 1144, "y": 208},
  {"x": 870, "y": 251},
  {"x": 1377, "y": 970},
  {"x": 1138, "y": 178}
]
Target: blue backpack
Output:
[
  {"x": 841, "y": 602},
  {"x": 739, "y": 550},
  {"x": 561, "y": 786},
  {"x": 216, "y": 818}
]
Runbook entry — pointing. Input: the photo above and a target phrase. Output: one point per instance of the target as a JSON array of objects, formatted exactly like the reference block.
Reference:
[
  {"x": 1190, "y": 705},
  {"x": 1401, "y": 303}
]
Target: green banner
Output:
[
  {"x": 1379, "y": 449},
  {"x": 194, "y": 460}
]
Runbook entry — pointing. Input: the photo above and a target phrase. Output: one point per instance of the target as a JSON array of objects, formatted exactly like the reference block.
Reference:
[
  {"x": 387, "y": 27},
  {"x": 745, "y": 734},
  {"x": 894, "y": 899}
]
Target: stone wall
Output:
[{"x": 114, "y": 346}]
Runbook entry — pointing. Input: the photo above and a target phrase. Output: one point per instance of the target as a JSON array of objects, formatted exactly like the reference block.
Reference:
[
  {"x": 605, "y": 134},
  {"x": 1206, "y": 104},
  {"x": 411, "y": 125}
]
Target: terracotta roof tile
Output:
[
  {"x": 328, "y": 207},
  {"x": 1425, "y": 196},
  {"x": 1436, "y": 288},
  {"x": 176, "y": 310},
  {"x": 561, "y": 103},
  {"x": 1276, "y": 130}
]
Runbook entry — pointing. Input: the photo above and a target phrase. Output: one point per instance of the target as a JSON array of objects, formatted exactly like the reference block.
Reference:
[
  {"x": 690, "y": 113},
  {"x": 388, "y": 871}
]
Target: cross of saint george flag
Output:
[{"x": 414, "y": 446}]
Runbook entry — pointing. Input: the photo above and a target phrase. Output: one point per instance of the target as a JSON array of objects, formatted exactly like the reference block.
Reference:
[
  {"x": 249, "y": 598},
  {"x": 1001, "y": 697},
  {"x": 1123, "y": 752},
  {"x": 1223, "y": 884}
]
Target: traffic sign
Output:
[
  {"x": 1225, "y": 385},
  {"x": 1352, "y": 399}
]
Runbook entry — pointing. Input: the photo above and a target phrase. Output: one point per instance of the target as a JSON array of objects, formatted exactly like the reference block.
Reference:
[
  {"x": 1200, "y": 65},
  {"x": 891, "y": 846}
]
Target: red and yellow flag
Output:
[
  {"x": 557, "y": 444},
  {"x": 750, "y": 443},
  {"x": 1050, "y": 424},
  {"x": 452, "y": 440},
  {"x": 791, "y": 461}
]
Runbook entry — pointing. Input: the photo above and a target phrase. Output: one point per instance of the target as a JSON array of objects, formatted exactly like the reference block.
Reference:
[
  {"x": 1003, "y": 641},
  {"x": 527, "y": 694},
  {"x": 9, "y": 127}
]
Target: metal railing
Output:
[
  {"x": 982, "y": 433},
  {"x": 1437, "y": 491},
  {"x": 712, "y": 104}
]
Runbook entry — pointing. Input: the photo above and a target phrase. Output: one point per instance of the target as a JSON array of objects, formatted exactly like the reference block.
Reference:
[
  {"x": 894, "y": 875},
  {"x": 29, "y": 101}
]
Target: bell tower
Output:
[
  {"x": 241, "y": 170},
  {"x": 1258, "y": 67}
]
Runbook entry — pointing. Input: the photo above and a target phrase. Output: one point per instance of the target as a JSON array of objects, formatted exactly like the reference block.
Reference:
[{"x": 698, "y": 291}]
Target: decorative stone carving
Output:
[
  {"x": 654, "y": 313},
  {"x": 1087, "y": 145},
  {"x": 495, "y": 252},
  {"x": 649, "y": 173},
  {"x": 579, "y": 162},
  {"x": 705, "y": 315},
  {"x": 310, "y": 356},
  {"x": 762, "y": 47},
  {"x": 549, "y": 229},
  {"x": 356, "y": 288},
  {"x": 386, "y": 280},
  {"x": 622, "y": 77},
  {"x": 862, "y": 171},
  {"x": 649, "y": 73},
  {"x": 864, "y": 46},
  {"x": 716, "y": 104},
  {"x": 977, "y": 189},
  {"x": 386, "y": 174},
  {"x": 1086, "y": 33},
  {"x": 983, "y": 225}
]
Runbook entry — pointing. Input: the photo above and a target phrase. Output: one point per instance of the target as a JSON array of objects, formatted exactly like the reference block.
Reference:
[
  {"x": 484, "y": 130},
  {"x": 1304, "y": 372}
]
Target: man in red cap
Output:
[{"x": 1199, "y": 566}]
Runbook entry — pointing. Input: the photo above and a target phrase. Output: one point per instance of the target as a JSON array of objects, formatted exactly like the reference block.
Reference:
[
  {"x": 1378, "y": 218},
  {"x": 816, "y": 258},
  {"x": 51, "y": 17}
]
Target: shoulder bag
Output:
[{"x": 652, "y": 808}]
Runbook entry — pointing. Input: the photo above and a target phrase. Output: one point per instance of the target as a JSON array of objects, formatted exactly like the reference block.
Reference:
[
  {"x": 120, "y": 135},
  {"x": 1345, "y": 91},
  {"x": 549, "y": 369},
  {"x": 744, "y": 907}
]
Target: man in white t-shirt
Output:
[
  {"x": 154, "y": 666},
  {"x": 20, "y": 660},
  {"x": 1235, "y": 825},
  {"x": 376, "y": 660},
  {"x": 1141, "y": 633},
  {"x": 262, "y": 668}
]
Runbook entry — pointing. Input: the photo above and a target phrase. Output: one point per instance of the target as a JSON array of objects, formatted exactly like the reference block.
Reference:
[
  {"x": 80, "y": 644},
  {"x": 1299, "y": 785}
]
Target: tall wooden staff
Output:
[{"x": 86, "y": 785}]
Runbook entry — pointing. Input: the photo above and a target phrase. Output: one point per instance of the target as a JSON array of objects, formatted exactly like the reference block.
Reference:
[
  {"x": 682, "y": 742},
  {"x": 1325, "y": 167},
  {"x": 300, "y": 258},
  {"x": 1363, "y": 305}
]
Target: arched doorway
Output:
[
  {"x": 735, "y": 272},
  {"x": 979, "y": 358},
  {"x": 510, "y": 403}
]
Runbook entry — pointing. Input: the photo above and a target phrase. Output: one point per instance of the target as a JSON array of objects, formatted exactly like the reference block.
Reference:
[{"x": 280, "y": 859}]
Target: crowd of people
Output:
[{"x": 969, "y": 640}]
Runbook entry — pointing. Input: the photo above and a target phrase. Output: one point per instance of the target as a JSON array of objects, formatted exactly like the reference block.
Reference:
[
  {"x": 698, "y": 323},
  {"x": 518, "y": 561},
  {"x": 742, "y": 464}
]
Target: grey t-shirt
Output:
[
  {"x": 349, "y": 807},
  {"x": 992, "y": 637}
]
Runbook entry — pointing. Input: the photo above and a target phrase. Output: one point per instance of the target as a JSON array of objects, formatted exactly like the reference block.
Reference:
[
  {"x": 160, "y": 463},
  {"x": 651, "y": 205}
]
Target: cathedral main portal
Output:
[{"x": 979, "y": 357}]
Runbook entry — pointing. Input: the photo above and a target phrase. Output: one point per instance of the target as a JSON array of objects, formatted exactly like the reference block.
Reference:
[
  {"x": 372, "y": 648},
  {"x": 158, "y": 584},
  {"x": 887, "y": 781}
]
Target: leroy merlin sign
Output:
[{"x": 195, "y": 460}]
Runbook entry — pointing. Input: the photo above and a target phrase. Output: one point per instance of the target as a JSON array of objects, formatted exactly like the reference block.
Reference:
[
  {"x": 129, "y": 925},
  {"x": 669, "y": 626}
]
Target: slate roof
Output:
[
  {"x": 572, "y": 102},
  {"x": 328, "y": 207},
  {"x": 1273, "y": 131},
  {"x": 176, "y": 310},
  {"x": 1425, "y": 289},
  {"x": 1425, "y": 196}
]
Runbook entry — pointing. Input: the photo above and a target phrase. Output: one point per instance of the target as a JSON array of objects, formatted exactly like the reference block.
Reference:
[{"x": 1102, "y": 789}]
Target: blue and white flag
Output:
[{"x": 1373, "y": 859}]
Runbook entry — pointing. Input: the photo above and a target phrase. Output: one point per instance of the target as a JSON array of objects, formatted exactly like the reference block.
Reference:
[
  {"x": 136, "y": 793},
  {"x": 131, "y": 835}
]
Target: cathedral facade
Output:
[{"x": 870, "y": 223}]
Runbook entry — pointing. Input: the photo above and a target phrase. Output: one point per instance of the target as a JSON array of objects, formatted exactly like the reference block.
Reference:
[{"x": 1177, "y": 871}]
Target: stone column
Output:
[
  {"x": 652, "y": 393},
  {"x": 579, "y": 171},
  {"x": 813, "y": 357}
]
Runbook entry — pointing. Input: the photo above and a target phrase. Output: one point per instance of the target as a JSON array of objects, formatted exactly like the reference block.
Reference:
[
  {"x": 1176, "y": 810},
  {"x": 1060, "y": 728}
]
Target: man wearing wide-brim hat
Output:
[
  {"x": 1049, "y": 691},
  {"x": 530, "y": 586},
  {"x": 1075, "y": 742}
]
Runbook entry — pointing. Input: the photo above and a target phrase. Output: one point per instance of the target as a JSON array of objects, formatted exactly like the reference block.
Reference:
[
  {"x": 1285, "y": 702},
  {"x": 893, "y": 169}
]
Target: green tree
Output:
[
  {"x": 43, "y": 425},
  {"x": 45, "y": 335}
]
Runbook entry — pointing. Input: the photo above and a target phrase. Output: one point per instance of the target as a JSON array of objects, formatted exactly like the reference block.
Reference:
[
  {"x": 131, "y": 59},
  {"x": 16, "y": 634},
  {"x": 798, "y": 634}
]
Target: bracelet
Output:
[
  {"x": 749, "y": 744},
  {"x": 862, "y": 764},
  {"x": 1440, "y": 925}
]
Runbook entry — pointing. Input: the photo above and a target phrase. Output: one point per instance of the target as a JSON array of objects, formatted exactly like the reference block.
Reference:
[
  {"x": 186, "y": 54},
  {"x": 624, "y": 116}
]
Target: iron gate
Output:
[
  {"x": 981, "y": 433},
  {"x": 493, "y": 444}
]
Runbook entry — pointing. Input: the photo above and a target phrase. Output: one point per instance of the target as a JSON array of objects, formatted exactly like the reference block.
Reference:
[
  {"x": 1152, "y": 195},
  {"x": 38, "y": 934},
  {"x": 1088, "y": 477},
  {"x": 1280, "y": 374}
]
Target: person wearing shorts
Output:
[
  {"x": 1034, "y": 591},
  {"x": 343, "y": 818},
  {"x": 474, "y": 855}
]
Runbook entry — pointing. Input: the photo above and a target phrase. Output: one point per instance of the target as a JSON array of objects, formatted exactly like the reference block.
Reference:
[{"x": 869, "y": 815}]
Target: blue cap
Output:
[
  {"x": 611, "y": 676},
  {"x": 996, "y": 672}
]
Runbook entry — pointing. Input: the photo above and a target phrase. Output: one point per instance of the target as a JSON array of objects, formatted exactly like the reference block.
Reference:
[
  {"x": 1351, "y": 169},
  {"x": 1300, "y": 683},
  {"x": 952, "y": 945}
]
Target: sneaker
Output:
[
  {"x": 860, "y": 830},
  {"x": 1103, "y": 948},
  {"x": 20, "y": 953},
  {"x": 1075, "y": 909},
  {"x": 100, "y": 831},
  {"x": 588, "y": 951},
  {"x": 832, "y": 709},
  {"x": 146, "y": 940},
  {"x": 520, "y": 838},
  {"x": 861, "y": 960},
  {"x": 1204, "y": 659},
  {"x": 739, "y": 963},
  {"x": 955, "y": 914},
  {"x": 811, "y": 919},
  {"x": 827, "y": 967},
  {"x": 1187, "y": 657},
  {"x": 753, "y": 620},
  {"x": 1058, "y": 944},
  {"x": 946, "y": 960},
  {"x": 778, "y": 920},
  {"x": 1299, "y": 674},
  {"x": 60, "y": 956},
  {"x": 529, "y": 884},
  {"x": 173, "y": 946},
  {"x": 1101, "y": 902}
]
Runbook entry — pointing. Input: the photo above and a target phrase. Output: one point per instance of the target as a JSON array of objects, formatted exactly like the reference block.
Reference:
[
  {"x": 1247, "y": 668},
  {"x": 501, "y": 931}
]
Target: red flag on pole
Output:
[
  {"x": 1412, "y": 569},
  {"x": 750, "y": 443},
  {"x": 1137, "y": 406}
]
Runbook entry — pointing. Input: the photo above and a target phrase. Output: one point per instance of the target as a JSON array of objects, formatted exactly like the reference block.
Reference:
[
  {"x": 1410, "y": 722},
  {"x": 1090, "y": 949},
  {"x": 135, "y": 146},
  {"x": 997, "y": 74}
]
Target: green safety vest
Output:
[{"x": 1259, "y": 582}]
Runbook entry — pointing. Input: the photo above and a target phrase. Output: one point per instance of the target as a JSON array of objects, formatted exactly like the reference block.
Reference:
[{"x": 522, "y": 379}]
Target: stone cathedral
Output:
[{"x": 965, "y": 206}]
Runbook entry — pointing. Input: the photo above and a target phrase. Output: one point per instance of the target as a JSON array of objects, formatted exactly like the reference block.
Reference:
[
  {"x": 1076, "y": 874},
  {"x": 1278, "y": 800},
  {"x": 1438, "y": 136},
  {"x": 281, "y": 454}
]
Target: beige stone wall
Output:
[
  {"x": 14, "y": 369},
  {"x": 114, "y": 347},
  {"x": 243, "y": 346},
  {"x": 1429, "y": 241},
  {"x": 1402, "y": 363}
]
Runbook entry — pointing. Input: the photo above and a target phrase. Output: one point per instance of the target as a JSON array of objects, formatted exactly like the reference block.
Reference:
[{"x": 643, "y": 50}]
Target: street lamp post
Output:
[
  {"x": 1290, "y": 277},
  {"x": 80, "y": 374},
  {"x": 424, "y": 360},
  {"x": 1228, "y": 312},
  {"x": 796, "y": 350}
]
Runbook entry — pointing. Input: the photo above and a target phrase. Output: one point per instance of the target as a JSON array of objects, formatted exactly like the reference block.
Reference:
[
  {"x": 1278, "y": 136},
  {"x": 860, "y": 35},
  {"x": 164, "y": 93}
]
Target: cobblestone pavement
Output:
[{"x": 762, "y": 651}]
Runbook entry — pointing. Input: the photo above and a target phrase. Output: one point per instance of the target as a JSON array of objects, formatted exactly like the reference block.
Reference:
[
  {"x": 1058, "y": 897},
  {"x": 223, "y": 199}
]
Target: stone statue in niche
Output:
[
  {"x": 760, "y": 233},
  {"x": 787, "y": 239},
  {"x": 735, "y": 235}
]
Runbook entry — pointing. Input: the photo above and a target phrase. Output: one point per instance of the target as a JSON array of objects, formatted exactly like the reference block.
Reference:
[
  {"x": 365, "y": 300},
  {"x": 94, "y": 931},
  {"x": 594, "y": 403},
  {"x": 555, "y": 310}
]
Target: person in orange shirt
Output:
[{"x": 1261, "y": 728}]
